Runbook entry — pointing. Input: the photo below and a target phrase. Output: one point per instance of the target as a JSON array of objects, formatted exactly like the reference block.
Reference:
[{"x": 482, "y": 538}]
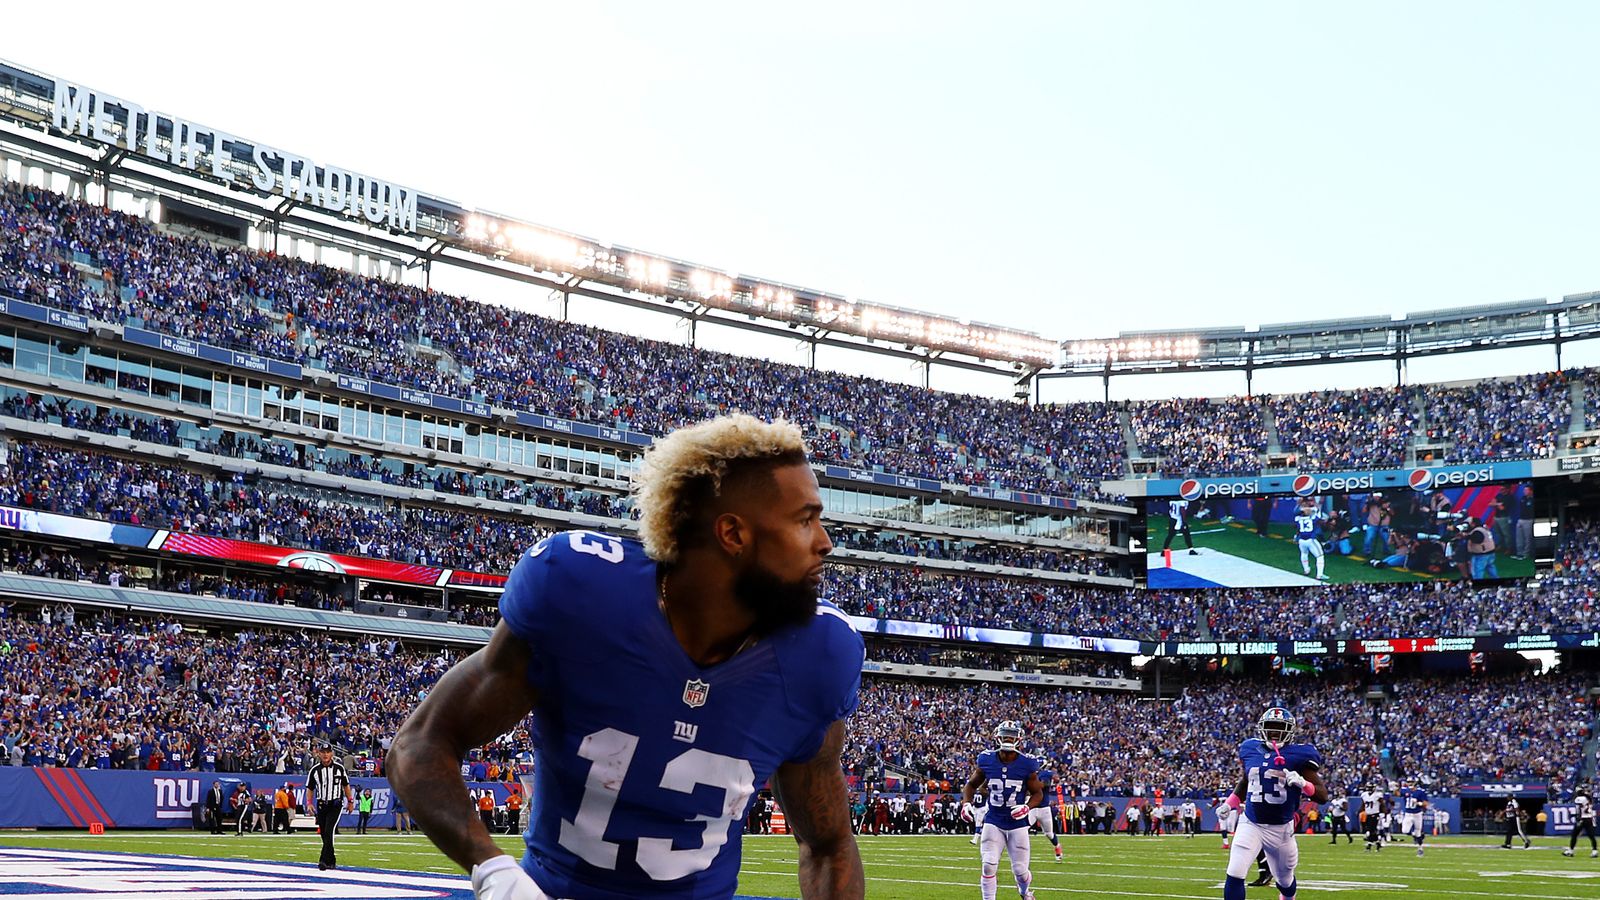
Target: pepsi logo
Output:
[
  {"x": 1304, "y": 485},
  {"x": 1420, "y": 479},
  {"x": 1189, "y": 490}
]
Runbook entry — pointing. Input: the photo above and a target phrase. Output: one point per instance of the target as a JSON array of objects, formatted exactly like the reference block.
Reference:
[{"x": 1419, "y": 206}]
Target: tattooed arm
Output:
[
  {"x": 816, "y": 804},
  {"x": 482, "y": 697}
]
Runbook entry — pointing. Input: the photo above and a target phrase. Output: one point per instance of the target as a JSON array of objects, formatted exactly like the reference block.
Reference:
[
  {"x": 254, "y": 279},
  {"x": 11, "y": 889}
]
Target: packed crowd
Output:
[
  {"x": 1112, "y": 743},
  {"x": 1329, "y": 431},
  {"x": 334, "y": 461},
  {"x": 323, "y": 317},
  {"x": 1445, "y": 732},
  {"x": 44, "y": 476},
  {"x": 1219, "y": 437},
  {"x": 113, "y": 692},
  {"x": 98, "y": 689},
  {"x": 282, "y": 451},
  {"x": 974, "y": 552},
  {"x": 316, "y": 315},
  {"x": 1507, "y": 418},
  {"x": 974, "y": 601}
]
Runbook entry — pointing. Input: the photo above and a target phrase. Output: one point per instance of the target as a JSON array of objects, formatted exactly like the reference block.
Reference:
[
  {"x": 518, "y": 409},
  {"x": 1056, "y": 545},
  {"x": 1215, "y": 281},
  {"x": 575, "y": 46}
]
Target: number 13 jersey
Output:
[{"x": 645, "y": 763}]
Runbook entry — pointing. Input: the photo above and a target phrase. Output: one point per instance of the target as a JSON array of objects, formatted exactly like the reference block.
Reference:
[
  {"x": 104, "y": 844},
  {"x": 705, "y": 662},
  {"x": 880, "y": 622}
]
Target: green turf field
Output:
[
  {"x": 1278, "y": 549},
  {"x": 946, "y": 868}
]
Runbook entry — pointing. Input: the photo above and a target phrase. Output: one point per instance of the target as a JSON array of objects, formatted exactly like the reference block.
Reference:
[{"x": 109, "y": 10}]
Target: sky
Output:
[{"x": 1076, "y": 169}]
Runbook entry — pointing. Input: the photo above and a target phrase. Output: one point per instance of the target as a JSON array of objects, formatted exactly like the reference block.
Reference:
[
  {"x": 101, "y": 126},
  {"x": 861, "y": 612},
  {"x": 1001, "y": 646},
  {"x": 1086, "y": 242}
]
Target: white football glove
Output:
[
  {"x": 966, "y": 813},
  {"x": 1294, "y": 779},
  {"x": 500, "y": 878},
  {"x": 1020, "y": 811}
]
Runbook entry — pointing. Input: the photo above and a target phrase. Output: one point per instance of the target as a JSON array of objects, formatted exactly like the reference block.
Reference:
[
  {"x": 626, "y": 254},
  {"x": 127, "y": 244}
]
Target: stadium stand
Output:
[
  {"x": 45, "y": 476},
  {"x": 101, "y": 689},
  {"x": 113, "y": 689},
  {"x": 69, "y": 255}
]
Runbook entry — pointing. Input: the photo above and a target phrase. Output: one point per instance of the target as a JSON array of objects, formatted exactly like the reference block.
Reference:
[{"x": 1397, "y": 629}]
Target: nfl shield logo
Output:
[{"x": 694, "y": 693}]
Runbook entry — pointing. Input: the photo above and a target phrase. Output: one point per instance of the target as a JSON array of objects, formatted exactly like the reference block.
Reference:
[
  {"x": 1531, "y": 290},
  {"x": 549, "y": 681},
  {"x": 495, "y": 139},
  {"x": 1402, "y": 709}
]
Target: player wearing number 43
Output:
[
  {"x": 1014, "y": 789},
  {"x": 668, "y": 682},
  {"x": 1276, "y": 776}
]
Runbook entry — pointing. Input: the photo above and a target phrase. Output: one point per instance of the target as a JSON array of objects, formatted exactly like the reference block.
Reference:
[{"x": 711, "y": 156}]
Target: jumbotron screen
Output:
[{"x": 1481, "y": 533}]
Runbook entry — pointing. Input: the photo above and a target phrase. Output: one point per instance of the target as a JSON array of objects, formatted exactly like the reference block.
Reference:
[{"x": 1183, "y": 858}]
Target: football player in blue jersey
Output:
[
  {"x": 1276, "y": 776},
  {"x": 1308, "y": 534},
  {"x": 1013, "y": 784},
  {"x": 1413, "y": 803},
  {"x": 669, "y": 680},
  {"x": 1043, "y": 815}
]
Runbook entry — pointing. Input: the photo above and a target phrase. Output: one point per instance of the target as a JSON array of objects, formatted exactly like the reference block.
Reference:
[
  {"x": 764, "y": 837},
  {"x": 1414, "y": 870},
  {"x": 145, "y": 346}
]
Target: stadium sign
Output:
[
  {"x": 1307, "y": 484},
  {"x": 175, "y": 141},
  {"x": 1374, "y": 646}
]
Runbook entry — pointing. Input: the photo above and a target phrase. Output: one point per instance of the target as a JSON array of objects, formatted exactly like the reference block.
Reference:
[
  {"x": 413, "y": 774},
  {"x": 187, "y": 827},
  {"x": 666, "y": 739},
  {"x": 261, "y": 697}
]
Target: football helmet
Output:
[
  {"x": 1007, "y": 735},
  {"x": 1275, "y": 726}
]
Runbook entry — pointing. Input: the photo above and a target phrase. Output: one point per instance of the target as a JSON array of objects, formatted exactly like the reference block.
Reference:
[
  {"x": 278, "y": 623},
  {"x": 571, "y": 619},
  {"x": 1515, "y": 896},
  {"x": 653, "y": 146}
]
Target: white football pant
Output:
[{"x": 1283, "y": 854}]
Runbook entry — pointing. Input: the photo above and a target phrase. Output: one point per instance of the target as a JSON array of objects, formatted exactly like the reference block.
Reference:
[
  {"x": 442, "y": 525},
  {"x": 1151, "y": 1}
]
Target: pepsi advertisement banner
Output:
[
  {"x": 1444, "y": 525},
  {"x": 75, "y": 798},
  {"x": 1306, "y": 484}
]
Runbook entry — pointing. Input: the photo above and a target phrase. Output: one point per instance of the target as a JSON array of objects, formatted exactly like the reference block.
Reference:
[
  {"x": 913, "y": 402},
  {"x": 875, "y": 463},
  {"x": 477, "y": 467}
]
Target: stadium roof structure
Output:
[
  {"x": 1463, "y": 329},
  {"x": 102, "y": 138}
]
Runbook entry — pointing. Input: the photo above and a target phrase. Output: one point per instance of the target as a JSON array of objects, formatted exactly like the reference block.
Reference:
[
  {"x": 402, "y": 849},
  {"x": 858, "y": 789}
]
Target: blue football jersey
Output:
[
  {"x": 1412, "y": 799},
  {"x": 1007, "y": 786},
  {"x": 1305, "y": 525},
  {"x": 645, "y": 763},
  {"x": 1272, "y": 800},
  {"x": 1044, "y": 778}
]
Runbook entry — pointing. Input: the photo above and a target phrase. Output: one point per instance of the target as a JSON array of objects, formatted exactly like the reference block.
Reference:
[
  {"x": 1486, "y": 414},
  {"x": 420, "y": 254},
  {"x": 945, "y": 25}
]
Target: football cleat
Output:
[{"x": 1566, "y": 852}]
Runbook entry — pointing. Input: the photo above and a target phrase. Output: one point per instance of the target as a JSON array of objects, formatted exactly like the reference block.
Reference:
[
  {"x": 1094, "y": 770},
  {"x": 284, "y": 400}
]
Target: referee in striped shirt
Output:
[{"x": 329, "y": 788}]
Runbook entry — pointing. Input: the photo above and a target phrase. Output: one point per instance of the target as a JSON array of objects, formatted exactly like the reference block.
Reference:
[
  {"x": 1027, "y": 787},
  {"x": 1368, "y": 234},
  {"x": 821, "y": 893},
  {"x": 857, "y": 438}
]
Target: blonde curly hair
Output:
[{"x": 685, "y": 469}]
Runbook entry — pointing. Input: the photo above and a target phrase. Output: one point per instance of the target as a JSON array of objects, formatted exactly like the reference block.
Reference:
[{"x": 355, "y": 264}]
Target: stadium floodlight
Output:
[{"x": 1140, "y": 349}]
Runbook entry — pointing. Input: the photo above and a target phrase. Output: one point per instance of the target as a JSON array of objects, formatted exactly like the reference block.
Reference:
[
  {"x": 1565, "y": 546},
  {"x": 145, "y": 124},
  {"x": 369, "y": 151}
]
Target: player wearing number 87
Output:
[
  {"x": 668, "y": 681},
  {"x": 1014, "y": 788},
  {"x": 1277, "y": 776}
]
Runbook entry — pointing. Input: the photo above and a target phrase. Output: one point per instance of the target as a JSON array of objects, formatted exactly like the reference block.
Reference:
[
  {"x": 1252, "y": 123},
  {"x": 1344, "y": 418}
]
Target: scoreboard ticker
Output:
[{"x": 1368, "y": 646}]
